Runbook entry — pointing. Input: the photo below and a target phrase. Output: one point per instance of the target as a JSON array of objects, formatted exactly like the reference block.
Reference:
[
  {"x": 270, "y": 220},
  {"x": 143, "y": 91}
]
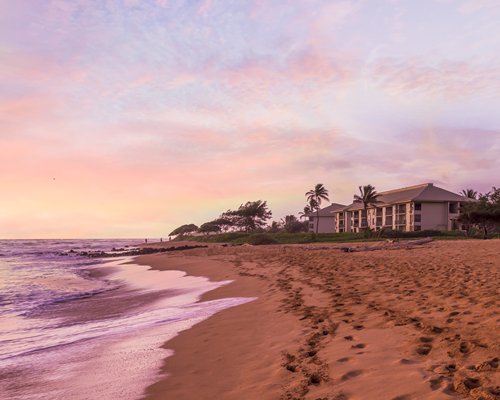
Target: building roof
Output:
[
  {"x": 328, "y": 211},
  {"x": 426, "y": 192}
]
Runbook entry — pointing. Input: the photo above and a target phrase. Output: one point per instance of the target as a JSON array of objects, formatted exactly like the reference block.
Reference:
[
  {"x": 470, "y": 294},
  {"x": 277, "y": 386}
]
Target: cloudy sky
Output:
[{"x": 127, "y": 118}]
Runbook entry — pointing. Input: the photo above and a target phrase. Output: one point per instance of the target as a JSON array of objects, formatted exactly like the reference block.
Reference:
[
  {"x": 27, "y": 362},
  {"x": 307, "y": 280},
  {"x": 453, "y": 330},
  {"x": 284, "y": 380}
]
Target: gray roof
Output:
[
  {"x": 328, "y": 211},
  {"x": 426, "y": 192}
]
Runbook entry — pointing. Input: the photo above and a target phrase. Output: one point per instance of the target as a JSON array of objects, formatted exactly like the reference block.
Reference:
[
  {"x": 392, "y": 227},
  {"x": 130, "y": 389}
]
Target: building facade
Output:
[
  {"x": 326, "y": 219},
  {"x": 415, "y": 208}
]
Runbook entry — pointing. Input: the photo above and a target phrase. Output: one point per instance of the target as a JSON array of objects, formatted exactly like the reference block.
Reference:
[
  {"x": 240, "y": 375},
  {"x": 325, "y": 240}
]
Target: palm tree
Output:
[
  {"x": 368, "y": 196},
  {"x": 315, "y": 197},
  {"x": 469, "y": 193},
  {"x": 308, "y": 209}
]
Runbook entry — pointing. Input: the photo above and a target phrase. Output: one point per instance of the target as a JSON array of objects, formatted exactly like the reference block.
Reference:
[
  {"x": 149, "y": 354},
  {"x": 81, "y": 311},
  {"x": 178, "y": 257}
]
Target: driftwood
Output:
[{"x": 407, "y": 245}]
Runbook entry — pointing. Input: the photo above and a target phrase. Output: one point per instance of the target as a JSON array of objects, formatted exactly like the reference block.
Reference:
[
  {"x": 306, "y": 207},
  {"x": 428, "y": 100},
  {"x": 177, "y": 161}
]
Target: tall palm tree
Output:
[
  {"x": 469, "y": 193},
  {"x": 315, "y": 197},
  {"x": 368, "y": 196}
]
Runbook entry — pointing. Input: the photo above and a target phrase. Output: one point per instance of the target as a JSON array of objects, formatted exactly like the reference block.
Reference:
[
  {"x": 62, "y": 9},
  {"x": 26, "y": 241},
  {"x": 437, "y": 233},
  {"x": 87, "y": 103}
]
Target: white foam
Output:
[{"x": 116, "y": 358}]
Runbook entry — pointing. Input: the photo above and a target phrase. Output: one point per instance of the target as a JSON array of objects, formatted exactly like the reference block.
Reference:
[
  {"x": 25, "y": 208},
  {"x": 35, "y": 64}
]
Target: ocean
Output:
[{"x": 73, "y": 327}]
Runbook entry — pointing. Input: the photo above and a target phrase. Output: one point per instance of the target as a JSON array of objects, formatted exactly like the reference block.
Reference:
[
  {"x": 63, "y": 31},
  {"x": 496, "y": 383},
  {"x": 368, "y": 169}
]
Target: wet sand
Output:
[{"x": 388, "y": 324}]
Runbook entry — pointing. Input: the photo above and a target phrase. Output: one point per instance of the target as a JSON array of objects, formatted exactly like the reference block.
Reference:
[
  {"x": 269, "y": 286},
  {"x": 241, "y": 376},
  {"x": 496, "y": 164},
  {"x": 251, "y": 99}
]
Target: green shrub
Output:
[{"x": 261, "y": 238}]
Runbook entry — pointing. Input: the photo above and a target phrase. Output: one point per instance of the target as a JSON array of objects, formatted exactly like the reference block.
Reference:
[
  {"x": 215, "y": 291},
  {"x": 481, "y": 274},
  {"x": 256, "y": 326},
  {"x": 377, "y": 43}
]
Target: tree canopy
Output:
[
  {"x": 210, "y": 227},
  {"x": 484, "y": 213},
  {"x": 291, "y": 224},
  {"x": 249, "y": 216},
  {"x": 469, "y": 193},
  {"x": 367, "y": 195},
  {"x": 184, "y": 229}
]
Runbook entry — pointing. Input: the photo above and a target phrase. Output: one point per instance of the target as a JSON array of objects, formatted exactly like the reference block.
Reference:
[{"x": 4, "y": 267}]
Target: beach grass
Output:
[{"x": 309, "y": 237}]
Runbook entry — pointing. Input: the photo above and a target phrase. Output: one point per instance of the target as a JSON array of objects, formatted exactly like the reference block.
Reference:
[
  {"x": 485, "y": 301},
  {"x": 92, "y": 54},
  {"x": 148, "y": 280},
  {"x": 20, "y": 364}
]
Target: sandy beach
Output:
[{"x": 417, "y": 323}]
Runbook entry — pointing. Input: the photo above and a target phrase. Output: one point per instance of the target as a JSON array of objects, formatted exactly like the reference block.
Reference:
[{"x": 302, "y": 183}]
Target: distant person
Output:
[
  {"x": 145, "y": 240},
  {"x": 161, "y": 239}
]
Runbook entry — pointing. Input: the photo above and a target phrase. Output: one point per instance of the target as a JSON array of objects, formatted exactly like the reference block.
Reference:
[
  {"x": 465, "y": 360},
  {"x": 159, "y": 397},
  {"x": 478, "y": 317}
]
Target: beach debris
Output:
[{"x": 400, "y": 245}]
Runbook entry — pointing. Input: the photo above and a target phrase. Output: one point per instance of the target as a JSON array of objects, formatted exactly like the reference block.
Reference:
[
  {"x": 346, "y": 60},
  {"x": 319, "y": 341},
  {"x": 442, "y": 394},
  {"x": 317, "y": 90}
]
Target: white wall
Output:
[
  {"x": 326, "y": 225},
  {"x": 434, "y": 216}
]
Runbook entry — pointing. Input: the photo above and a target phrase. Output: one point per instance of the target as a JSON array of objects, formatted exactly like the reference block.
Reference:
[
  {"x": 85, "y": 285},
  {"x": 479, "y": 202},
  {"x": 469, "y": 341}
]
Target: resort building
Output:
[
  {"x": 415, "y": 208},
  {"x": 326, "y": 220}
]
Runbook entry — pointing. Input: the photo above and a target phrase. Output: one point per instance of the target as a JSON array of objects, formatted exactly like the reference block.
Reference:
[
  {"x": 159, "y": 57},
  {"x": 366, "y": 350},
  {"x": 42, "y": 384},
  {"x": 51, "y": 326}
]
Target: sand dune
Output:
[{"x": 400, "y": 324}]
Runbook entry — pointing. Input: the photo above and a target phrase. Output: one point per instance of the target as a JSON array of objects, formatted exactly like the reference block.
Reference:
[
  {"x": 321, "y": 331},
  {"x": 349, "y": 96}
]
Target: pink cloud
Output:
[
  {"x": 446, "y": 78},
  {"x": 205, "y": 7}
]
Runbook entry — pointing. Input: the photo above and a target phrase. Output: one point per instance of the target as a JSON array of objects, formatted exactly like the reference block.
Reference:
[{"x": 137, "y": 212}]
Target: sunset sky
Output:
[{"x": 128, "y": 118}]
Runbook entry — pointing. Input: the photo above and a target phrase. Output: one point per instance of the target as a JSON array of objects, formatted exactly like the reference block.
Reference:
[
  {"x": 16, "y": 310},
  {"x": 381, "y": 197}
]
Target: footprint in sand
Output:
[
  {"x": 358, "y": 346},
  {"x": 424, "y": 349},
  {"x": 436, "y": 382},
  {"x": 343, "y": 359},
  {"x": 405, "y": 361},
  {"x": 351, "y": 374}
]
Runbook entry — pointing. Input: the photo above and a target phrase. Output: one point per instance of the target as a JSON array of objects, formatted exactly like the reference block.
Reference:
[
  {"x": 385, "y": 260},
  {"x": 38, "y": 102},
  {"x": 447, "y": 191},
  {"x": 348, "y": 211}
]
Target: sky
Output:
[{"x": 128, "y": 118}]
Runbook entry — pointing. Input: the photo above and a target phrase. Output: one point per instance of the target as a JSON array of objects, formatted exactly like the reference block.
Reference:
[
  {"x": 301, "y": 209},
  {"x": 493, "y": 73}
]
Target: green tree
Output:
[
  {"x": 315, "y": 197},
  {"x": 483, "y": 214},
  {"x": 308, "y": 209},
  {"x": 275, "y": 227},
  {"x": 368, "y": 196},
  {"x": 184, "y": 229},
  {"x": 210, "y": 227},
  {"x": 250, "y": 216},
  {"x": 469, "y": 193},
  {"x": 292, "y": 225}
]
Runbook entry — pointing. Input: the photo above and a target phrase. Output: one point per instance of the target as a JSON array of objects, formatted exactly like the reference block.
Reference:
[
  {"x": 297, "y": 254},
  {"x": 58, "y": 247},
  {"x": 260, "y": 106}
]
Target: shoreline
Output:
[
  {"x": 332, "y": 324},
  {"x": 242, "y": 346}
]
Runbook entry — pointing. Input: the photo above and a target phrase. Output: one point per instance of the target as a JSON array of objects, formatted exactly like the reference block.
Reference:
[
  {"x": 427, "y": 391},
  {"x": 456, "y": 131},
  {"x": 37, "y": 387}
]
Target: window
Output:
[
  {"x": 418, "y": 218},
  {"x": 418, "y": 206},
  {"x": 417, "y": 228},
  {"x": 388, "y": 211},
  {"x": 379, "y": 212},
  {"x": 311, "y": 218},
  {"x": 453, "y": 208},
  {"x": 401, "y": 208}
]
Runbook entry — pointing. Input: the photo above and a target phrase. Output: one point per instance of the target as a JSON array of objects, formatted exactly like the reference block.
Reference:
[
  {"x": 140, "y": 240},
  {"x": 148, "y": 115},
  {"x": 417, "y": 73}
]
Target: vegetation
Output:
[
  {"x": 315, "y": 197},
  {"x": 210, "y": 227},
  {"x": 184, "y": 230},
  {"x": 368, "y": 196},
  {"x": 482, "y": 215},
  {"x": 250, "y": 216},
  {"x": 469, "y": 193},
  {"x": 291, "y": 224},
  {"x": 260, "y": 239},
  {"x": 249, "y": 223},
  {"x": 236, "y": 238}
]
